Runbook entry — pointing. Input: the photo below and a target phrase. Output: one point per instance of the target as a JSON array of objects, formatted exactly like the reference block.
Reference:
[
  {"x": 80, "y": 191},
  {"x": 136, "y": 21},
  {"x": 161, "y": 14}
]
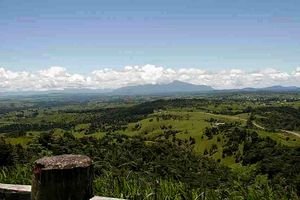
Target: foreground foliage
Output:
[
  {"x": 161, "y": 149},
  {"x": 135, "y": 168}
]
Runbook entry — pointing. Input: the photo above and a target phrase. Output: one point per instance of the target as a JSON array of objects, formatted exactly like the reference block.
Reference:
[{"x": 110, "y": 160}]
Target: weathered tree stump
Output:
[{"x": 65, "y": 177}]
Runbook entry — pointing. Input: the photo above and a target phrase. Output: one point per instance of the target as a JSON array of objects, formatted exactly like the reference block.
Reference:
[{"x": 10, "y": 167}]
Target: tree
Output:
[{"x": 6, "y": 153}]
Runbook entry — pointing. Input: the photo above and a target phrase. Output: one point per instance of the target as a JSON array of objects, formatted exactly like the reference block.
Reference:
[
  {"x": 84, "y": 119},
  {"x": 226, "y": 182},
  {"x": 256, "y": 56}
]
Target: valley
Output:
[{"x": 138, "y": 140}]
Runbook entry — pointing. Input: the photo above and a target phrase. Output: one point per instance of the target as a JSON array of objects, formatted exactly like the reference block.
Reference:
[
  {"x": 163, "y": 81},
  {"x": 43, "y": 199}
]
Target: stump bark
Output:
[{"x": 65, "y": 177}]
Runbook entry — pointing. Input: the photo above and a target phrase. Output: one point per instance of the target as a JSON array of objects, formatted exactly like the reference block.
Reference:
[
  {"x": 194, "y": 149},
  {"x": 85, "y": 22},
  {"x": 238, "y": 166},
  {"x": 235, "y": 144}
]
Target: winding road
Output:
[
  {"x": 291, "y": 132},
  {"x": 285, "y": 131},
  {"x": 254, "y": 123}
]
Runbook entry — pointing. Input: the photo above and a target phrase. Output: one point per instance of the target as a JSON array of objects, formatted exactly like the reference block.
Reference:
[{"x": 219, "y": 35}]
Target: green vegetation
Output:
[
  {"x": 274, "y": 118},
  {"x": 228, "y": 146}
]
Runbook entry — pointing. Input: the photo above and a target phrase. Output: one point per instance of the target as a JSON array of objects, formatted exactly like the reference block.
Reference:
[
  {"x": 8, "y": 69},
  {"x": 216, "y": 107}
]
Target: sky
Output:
[{"x": 113, "y": 43}]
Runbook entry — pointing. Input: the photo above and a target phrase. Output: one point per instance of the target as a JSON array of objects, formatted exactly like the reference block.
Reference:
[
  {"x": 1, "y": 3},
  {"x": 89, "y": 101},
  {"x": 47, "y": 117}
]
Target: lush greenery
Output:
[
  {"x": 147, "y": 148},
  {"x": 282, "y": 117}
]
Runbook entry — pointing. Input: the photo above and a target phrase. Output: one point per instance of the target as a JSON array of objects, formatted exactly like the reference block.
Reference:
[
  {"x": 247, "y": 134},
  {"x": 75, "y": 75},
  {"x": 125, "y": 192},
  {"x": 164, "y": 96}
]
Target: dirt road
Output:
[{"x": 285, "y": 131}]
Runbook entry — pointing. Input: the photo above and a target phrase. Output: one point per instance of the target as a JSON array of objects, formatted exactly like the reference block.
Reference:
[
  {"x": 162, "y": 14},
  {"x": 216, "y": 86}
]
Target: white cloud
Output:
[
  {"x": 57, "y": 78},
  {"x": 297, "y": 73}
]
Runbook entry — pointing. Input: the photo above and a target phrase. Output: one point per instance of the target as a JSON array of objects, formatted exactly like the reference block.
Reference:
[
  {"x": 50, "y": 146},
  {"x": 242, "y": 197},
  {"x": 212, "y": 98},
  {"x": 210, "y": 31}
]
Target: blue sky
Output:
[
  {"x": 62, "y": 44},
  {"x": 86, "y": 35}
]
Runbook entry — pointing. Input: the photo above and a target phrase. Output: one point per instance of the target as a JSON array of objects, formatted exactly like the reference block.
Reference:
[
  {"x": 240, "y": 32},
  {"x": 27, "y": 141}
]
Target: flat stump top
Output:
[{"x": 64, "y": 162}]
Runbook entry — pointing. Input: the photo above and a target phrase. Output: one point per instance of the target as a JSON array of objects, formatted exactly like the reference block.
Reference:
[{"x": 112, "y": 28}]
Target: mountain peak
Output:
[
  {"x": 173, "y": 87},
  {"x": 177, "y": 81}
]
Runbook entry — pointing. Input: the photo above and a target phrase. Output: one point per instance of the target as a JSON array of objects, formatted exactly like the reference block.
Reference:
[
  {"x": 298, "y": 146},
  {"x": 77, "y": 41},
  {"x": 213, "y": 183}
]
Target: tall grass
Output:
[
  {"x": 138, "y": 188},
  {"x": 19, "y": 174},
  {"x": 141, "y": 189}
]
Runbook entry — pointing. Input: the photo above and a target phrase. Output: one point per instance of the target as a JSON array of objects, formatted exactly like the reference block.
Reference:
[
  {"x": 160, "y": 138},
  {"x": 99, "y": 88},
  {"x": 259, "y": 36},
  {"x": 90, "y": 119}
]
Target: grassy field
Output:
[
  {"x": 188, "y": 122},
  {"x": 282, "y": 138},
  {"x": 192, "y": 124}
]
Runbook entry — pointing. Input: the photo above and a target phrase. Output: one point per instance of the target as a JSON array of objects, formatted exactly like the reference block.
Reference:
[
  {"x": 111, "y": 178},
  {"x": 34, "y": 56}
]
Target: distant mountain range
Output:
[
  {"x": 62, "y": 91},
  {"x": 182, "y": 87},
  {"x": 174, "y": 87},
  {"x": 276, "y": 88}
]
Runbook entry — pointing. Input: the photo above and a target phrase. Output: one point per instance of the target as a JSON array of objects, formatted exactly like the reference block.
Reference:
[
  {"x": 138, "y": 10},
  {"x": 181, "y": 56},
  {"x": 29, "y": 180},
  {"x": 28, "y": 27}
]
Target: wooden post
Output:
[{"x": 65, "y": 177}]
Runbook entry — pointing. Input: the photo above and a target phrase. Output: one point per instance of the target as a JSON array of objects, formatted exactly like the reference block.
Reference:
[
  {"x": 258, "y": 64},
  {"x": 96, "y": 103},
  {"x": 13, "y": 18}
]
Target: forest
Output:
[{"x": 230, "y": 146}]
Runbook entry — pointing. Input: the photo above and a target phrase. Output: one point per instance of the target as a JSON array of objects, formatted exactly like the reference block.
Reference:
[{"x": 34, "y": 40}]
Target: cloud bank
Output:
[{"x": 58, "y": 78}]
